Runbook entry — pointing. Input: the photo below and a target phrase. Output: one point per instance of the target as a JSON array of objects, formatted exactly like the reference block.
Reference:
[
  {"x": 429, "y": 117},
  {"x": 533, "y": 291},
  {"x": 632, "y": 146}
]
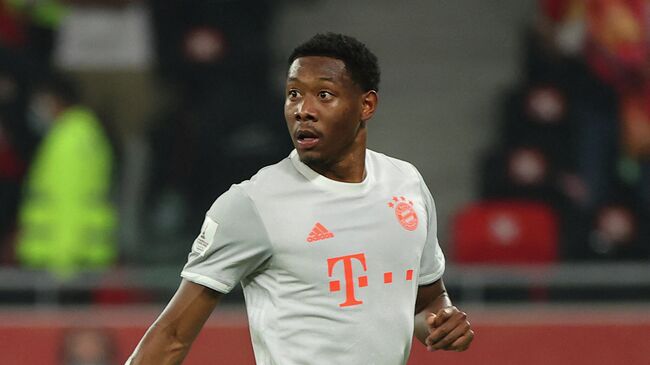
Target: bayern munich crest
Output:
[{"x": 404, "y": 212}]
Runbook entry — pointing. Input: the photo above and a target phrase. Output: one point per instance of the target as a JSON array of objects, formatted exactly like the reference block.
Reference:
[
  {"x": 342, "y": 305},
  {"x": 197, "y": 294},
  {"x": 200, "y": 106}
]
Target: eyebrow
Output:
[{"x": 331, "y": 79}]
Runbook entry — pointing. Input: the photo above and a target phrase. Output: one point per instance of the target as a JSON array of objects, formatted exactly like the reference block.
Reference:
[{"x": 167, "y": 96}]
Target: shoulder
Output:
[
  {"x": 237, "y": 214},
  {"x": 78, "y": 125},
  {"x": 79, "y": 118},
  {"x": 393, "y": 169},
  {"x": 78, "y": 134},
  {"x": 266, "y": 180},
  {"x": 233, "y": 197},
  {"x": 393, "y": 166},
  {"x": 271, "y": 179}
]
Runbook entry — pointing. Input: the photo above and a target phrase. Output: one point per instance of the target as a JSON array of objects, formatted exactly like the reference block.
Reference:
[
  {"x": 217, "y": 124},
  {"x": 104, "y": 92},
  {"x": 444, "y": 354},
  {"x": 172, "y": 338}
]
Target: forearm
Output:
[
  {"x": 168, "y": 340},
  {"x": 160, "y": 345},
  {"x": 421, "y": 329}
]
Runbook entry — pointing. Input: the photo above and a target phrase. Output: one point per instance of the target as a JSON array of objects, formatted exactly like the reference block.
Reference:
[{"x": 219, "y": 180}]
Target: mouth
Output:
[{"x": 306, "y": 139}]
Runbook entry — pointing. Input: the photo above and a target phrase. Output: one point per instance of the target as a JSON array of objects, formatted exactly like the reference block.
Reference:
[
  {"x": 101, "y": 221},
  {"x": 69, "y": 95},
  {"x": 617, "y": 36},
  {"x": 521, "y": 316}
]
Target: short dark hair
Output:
[{"x": 361, "y": 64}]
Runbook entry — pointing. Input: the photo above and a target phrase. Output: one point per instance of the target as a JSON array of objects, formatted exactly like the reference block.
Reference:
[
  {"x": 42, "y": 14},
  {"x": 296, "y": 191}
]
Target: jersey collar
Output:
[{"x": 329, "y": 184}]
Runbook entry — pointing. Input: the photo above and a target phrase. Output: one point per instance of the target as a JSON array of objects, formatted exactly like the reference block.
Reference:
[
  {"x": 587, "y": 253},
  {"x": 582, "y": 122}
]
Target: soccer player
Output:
[{"x": 335, "y": 246}]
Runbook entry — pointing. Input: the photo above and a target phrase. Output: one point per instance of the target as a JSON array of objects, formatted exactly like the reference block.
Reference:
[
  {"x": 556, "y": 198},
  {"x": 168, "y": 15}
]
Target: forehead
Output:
[{"x": 317, "y": 67}]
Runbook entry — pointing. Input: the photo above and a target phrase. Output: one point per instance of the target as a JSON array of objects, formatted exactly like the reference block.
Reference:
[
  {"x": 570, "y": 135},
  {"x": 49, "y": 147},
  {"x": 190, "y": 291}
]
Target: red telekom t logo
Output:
[{"x": 335, "y": 285}]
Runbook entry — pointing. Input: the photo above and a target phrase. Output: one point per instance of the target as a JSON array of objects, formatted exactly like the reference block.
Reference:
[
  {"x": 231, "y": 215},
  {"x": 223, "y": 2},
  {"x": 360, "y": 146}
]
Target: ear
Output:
[{"x": 368, "y": 104}]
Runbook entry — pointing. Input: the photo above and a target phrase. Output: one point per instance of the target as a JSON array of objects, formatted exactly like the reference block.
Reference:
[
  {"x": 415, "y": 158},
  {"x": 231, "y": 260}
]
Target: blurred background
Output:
[{"x": 122, "y": 120}]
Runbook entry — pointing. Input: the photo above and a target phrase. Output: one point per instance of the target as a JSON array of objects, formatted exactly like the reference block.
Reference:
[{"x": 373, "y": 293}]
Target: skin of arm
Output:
[
  {"x": 169, "y": 338},
  {"x": 438, "y": 324}
]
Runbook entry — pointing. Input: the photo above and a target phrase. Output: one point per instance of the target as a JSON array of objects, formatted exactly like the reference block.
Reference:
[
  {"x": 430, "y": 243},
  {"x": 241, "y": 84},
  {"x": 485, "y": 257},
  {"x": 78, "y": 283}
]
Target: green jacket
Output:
[{"x": 66, "y": 219}]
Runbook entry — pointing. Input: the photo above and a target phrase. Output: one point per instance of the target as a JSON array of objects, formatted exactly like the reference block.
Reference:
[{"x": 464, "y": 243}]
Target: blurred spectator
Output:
[
  {"x": 619, "y": 53},
  {"x": 565, "y": 37},
  {"x": 88, "y": 347},
  {"x": 106, "y": 46},
  {"x": 212, "y": 61},
  {"x": 576, "y": 133},
  {"x": 66, "y": 220},
  {"x": 34, "y": 27}
]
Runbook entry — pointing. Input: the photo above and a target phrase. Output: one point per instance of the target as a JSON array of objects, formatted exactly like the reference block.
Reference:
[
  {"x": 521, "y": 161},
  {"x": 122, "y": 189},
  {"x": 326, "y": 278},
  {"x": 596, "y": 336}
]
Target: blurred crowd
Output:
[
  {"x": 573, "y": 156},
  {"x": 122, "y": 120}
]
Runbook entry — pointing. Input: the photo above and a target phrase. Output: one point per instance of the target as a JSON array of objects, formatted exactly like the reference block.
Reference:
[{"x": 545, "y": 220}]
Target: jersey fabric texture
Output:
[{"x": 330, "y": 270}]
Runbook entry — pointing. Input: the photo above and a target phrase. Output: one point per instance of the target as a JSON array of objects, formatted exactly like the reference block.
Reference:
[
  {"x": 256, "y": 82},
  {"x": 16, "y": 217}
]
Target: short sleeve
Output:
[
  {"x": 232, "y": 244},
  {"x": 432, "y": 263}
]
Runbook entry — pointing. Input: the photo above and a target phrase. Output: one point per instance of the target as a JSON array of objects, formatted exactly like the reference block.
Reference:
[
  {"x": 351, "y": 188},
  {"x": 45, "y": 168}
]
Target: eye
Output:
[
  {"x": 325, "y": 95},
  {"x": 292, "y": 94}
]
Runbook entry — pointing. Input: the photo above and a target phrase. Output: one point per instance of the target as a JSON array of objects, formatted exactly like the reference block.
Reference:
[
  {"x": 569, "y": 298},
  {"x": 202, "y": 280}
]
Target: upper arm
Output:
[
  {"x": 169, "y": 339},
  {"x": 190, "y": 307},
  {"x": 233, "y": 243},
  {"x": 427, "y": 294}
]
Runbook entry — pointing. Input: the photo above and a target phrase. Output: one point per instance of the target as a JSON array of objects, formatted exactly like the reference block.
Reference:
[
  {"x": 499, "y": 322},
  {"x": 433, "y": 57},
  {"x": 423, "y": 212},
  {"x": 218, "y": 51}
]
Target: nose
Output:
[{"x": 305, "y": 111}]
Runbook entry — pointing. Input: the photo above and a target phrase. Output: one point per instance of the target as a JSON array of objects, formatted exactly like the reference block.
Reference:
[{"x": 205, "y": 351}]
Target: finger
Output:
[
  {"x": 431, "y": 318},
  {"x": 463, "y": 342},
  {"x": 443, "y": 315},
  {"x": 445, "y": 342},
  {"x": 438, "y": 333},
  {"x": 457, "y": 320}
]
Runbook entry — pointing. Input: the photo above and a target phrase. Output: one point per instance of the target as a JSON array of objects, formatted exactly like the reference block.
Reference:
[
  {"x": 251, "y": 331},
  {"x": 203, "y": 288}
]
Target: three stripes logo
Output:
[{"x": 318, "y": 233}]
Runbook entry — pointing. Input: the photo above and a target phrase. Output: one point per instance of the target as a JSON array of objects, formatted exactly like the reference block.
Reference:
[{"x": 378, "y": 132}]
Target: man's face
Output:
[{"x": 324, "y": 110}]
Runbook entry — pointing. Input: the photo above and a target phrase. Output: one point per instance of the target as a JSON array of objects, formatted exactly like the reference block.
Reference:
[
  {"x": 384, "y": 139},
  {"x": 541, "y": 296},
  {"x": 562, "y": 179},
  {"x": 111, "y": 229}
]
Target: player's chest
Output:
[{"x": 384, "y": 232}]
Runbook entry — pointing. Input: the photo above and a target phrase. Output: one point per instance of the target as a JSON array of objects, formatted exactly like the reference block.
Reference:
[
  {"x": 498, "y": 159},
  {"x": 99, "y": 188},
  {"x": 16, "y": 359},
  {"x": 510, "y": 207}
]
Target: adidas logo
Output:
[{"x": 319, "y": 232}]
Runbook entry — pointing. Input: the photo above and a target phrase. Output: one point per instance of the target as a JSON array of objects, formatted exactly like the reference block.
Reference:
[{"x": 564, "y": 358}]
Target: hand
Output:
[{"x": 449, "y": 330}]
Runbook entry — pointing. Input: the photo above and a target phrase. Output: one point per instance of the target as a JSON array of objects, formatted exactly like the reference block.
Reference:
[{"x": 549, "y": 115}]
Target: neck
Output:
[
  {"x": 350, "y": 167},
  {"x": 350, "y": 170}
]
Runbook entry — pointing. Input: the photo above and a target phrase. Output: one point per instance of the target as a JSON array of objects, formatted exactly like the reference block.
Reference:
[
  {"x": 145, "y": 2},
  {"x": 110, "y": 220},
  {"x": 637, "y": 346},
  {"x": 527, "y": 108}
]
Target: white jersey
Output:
[{"x": 330, "y": 270}]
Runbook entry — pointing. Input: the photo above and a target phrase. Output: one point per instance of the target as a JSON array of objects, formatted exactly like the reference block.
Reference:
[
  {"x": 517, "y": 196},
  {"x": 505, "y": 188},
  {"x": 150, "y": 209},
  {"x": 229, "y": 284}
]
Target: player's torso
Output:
[
  {"x": 348, "y": 247},
  {"x": 341, "y": 258}
]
